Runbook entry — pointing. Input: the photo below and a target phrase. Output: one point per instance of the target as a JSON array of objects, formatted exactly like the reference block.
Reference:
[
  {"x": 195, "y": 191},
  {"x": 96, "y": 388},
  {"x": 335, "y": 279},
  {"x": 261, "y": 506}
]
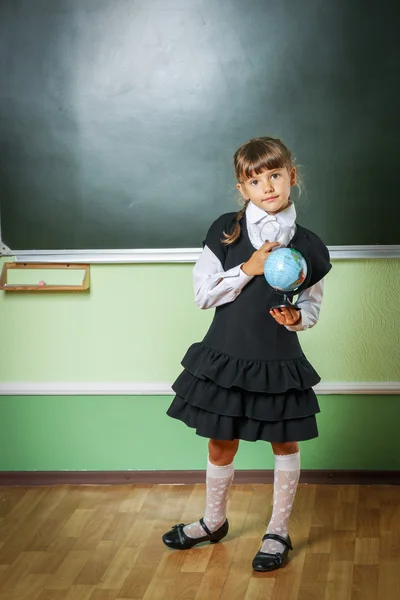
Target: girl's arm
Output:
[
  {"x": 212, "y": 285},
  {"x": 309, "y": 303}
]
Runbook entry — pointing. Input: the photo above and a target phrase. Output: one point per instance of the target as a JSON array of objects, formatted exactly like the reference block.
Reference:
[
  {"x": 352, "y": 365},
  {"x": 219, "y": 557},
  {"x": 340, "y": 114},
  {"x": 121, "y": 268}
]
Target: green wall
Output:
[
  {"x": 135, "y": 325},
  {"x": 121, "y": 432}
]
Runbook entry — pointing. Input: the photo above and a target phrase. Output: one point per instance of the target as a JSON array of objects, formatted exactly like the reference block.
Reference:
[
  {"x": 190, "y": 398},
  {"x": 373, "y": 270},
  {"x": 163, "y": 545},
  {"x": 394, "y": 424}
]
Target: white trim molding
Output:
[
  {"x": 358, "y": 387},
  {"x": 49, "y": 388},
  {"x": 152, "y": 255},
  {"x": 355, "y": 252},
  {"x": 176, "y": 255}
]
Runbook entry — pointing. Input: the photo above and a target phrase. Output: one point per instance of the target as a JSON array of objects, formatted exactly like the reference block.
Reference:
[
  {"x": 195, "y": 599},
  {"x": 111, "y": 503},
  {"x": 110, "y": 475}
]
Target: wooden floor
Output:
[{"x": 103, "y": 543}]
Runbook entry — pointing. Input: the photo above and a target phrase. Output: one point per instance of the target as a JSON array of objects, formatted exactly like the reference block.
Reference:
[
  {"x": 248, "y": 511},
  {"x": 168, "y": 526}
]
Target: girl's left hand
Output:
[{"x": 286, "y": 316}]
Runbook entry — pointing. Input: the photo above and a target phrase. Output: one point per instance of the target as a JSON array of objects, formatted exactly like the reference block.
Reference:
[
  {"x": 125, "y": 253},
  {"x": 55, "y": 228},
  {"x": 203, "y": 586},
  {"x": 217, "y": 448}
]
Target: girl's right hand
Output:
[{"x": 255, "y": 264}]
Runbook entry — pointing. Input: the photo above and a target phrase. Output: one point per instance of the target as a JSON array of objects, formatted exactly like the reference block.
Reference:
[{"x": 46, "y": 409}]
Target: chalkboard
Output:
[{"x": 119, "y": 118}]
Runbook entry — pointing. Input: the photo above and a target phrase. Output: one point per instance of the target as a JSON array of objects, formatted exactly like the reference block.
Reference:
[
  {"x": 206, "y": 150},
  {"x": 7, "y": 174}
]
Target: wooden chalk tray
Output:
[{"x": 42, "y": 286}]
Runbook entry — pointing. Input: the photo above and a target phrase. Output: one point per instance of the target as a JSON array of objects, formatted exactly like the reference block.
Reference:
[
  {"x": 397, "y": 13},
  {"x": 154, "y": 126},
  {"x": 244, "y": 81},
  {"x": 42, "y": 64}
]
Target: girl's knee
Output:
[
  {"x": 285, "y": 448},
  {"x": 222, "y": 452}
]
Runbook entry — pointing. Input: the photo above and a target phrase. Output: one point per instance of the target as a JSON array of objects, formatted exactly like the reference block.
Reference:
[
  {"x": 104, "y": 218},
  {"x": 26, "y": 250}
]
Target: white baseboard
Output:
[{"x": 107, "y": 388}]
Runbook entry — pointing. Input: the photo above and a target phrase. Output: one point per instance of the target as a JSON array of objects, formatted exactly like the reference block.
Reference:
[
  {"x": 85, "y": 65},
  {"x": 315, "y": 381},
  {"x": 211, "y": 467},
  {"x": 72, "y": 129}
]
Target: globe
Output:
[{"x": 285, "y": 270}]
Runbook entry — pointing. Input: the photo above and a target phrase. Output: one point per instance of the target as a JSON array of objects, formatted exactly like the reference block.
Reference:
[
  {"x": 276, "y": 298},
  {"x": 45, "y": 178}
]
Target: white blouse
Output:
[{"x": 213, "y": 286}]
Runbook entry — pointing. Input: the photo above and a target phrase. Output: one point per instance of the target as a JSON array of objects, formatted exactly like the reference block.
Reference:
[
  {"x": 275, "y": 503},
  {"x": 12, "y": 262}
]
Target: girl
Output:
[{"x": 249, "y": 379}]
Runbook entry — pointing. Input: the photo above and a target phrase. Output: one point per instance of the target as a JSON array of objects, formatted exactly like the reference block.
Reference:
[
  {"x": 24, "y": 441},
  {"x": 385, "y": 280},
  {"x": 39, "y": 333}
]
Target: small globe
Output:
[{"x": 285, "y": 269}]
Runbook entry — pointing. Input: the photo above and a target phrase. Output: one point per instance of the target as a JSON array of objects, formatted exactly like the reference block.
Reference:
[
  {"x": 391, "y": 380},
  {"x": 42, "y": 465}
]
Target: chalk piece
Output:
[{"x": 41, "y": 282}]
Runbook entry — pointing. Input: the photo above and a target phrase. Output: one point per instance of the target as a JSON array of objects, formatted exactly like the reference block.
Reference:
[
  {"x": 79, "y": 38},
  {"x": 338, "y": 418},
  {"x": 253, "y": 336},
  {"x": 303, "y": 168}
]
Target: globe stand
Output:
[{"x": 282, "y": 301}]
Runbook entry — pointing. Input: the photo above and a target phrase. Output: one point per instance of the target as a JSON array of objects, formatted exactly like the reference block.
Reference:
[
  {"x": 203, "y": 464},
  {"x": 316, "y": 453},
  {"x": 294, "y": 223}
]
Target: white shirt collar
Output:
[{"x": 287, "y": 217}]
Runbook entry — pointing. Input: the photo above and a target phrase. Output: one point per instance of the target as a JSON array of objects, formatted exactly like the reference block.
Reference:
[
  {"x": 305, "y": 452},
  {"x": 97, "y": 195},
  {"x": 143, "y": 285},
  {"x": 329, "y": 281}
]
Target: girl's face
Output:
[{"x": 270, "y": 190}]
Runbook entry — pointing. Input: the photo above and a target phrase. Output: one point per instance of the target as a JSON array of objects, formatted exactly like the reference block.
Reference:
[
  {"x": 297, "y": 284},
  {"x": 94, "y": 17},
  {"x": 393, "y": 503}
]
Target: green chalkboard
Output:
[{"x": 119, "y": 118}]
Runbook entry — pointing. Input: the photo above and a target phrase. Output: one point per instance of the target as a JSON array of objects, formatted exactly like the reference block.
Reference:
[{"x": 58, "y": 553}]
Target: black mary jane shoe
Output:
[
  {"x": 269, "y": 562},
  {"x": 176, "y": 537}
]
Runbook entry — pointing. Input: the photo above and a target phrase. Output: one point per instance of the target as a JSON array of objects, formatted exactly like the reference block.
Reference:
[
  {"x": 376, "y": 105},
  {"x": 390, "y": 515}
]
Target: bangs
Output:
[
  {"x": 257, "y": 164},
  {"x": 260, "y": 155}
]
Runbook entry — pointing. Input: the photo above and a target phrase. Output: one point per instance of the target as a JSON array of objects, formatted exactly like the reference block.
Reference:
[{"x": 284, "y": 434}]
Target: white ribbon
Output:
[{"x": 269, "y": 229}]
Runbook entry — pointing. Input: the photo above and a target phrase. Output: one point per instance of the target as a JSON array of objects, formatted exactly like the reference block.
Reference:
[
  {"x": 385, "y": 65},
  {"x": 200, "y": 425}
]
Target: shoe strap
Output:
[
  {"x": 278, "y": 538},
  {"x": 204, "y": 526}
]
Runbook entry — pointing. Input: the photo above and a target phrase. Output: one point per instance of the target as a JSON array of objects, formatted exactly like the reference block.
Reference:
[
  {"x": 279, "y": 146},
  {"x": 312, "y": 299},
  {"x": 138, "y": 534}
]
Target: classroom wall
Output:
[{"x": 136, "y": 323}]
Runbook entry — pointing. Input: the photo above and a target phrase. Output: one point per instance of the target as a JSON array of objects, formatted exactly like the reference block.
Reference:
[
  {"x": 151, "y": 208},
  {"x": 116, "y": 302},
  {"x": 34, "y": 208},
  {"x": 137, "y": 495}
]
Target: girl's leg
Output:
[
  {"x": 219, "y": 476},
  {"x": 286, "y": 478}
]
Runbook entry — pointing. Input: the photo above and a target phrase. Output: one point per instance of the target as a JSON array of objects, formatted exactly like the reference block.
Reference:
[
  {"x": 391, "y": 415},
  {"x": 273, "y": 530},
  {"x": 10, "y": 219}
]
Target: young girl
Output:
[{"x": 249, "y": 379}]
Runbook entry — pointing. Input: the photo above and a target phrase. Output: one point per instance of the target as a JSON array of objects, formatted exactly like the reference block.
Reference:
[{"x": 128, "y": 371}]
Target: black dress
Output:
[{"x": 249, "y": 378}]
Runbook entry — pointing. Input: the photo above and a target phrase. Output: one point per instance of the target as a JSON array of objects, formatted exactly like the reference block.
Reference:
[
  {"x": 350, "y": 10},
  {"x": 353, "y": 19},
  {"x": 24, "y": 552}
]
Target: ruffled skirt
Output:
[{"x": 226, "y": 398}]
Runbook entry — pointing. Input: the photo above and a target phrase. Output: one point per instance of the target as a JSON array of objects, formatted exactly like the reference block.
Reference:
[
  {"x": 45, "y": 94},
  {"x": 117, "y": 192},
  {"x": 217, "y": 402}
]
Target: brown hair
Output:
[{"x": 254, "y": 157}]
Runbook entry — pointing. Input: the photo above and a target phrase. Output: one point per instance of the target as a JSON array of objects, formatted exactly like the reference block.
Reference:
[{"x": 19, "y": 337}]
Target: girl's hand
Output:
[
  {"x": 255, "y": 264},
  {"x": 286, "y": 316}
]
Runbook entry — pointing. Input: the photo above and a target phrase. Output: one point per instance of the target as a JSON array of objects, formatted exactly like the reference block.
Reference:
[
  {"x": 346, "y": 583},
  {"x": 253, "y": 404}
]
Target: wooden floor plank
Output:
[
  {"x": 340, "y": 579},
  {"x": 365, "y": 582}
]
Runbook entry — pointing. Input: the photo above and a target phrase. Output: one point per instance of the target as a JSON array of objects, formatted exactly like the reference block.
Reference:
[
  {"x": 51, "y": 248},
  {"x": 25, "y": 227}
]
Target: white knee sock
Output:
[
  {"x": 286, "y": 478},
  {"x": 218, "y": 482}
]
